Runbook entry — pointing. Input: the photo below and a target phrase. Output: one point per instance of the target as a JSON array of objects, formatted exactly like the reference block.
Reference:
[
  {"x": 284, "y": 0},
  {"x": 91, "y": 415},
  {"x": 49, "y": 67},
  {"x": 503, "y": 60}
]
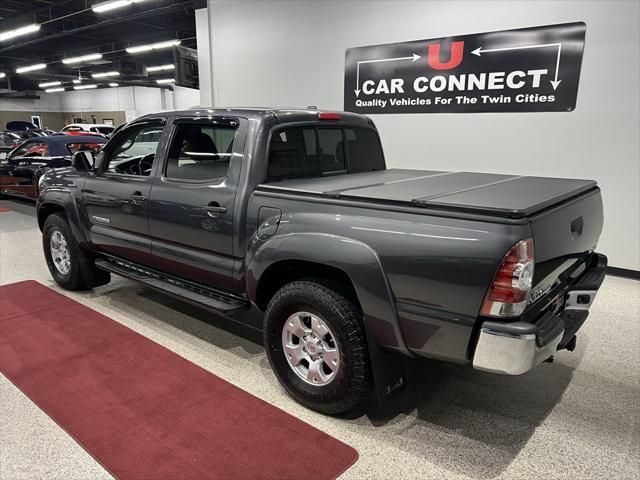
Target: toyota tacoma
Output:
[{"x": 290, "y": 222}]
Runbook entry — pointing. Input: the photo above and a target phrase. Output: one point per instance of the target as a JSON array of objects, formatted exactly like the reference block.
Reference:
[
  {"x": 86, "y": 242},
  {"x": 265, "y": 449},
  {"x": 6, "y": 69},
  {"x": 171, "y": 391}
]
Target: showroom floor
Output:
[{"x": 578, "y": 417}]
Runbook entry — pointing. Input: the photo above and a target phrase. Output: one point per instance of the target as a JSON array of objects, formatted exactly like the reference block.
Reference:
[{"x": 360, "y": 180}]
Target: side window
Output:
[
  {"x": 135, "y": 152},
  {"x": 32, "y": 149},
  {"x": 200, "y": 152}
]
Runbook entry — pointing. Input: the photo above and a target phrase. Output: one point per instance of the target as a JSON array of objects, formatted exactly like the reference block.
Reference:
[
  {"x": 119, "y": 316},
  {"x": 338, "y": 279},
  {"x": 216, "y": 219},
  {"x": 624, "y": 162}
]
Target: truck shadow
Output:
[{"x": 467, "y": 421}]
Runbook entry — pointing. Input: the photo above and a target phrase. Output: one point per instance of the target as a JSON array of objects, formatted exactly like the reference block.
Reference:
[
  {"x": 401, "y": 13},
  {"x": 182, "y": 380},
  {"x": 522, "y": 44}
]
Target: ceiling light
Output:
[
  {"x": 53, "y": 90},
  {"x": 105, "y": 74},
  {"x": 106, "y": 6},
  {"x": 84, "y": 87},
  {"x": 49, "y": 84},
  {"x": 153, "y": 46},
  {"x": 16, "y": 32},
  {"x": 166, "y": 80},
  {"x": 112, "y": 84},
  {"x": 82, "y": 58},
  {"x": 161, "y": 68},
  {"x": 2, "y": 74},
  {"x": 30, "y": 68}
]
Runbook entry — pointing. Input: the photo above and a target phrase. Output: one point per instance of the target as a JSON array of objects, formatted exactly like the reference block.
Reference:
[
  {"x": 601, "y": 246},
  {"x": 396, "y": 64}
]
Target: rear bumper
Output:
[{"x": 515, "y": 348}]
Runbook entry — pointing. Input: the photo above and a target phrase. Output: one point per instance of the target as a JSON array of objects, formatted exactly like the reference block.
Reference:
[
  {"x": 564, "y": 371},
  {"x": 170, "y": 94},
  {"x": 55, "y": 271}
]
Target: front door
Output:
[
  {"x": 192, "y": 202},
  {"x": 116, "y": 194}
]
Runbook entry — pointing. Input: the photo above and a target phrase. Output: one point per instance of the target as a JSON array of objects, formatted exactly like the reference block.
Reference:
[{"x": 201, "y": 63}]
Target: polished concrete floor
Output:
[{"x": 576, "y": 418}]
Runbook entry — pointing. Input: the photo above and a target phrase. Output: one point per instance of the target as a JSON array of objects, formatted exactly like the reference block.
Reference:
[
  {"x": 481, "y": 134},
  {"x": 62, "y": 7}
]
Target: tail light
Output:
[
  {"x": 328, "y": 116},
  {"x": 509, "y": 291}
]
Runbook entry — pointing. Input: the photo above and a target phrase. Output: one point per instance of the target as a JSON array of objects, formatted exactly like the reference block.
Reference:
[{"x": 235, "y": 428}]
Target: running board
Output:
[{"x": 199, "y": 295}]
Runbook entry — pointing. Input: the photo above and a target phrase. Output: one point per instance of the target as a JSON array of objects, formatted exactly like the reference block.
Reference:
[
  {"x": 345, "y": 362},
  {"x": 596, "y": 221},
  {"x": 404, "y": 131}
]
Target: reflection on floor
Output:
[{"x": 578, "y": 417}]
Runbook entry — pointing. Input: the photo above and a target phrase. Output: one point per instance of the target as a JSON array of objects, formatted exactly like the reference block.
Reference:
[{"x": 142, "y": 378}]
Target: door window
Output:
[
  {"x": 135, "y": 153},
  {"x": 32, "y": 149},
  {"x": 200, "y": 152}
]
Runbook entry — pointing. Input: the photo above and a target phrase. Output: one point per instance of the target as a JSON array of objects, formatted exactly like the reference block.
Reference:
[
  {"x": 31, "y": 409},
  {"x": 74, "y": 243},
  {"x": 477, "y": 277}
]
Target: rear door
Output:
[
  {"x": 191, "y": 207},
  {"x": 116, "y": 194}
]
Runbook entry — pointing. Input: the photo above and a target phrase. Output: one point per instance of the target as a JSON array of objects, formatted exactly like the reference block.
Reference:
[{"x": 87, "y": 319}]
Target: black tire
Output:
[
  {"x": 82, "y": 274},
  {"x": 352, "y": 379}
]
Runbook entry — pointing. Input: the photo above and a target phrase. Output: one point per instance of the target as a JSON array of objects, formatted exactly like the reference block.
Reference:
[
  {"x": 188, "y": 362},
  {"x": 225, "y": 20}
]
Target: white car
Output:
[{"x": 101, "y": 128}]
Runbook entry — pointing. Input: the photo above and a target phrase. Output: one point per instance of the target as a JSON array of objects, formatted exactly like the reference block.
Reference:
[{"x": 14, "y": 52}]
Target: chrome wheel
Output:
[
  {"x": 310, "y": 348},
  {"x": 60, "y": 252}
]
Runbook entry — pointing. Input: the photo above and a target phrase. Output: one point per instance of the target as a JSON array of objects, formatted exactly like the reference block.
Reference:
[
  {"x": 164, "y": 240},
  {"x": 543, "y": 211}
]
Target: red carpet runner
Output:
[{"x": 142, "y": 411}]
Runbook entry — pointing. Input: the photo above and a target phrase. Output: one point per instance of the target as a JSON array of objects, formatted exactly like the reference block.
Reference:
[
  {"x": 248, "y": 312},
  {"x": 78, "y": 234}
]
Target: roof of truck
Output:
[{"x": 283, "y": 114}]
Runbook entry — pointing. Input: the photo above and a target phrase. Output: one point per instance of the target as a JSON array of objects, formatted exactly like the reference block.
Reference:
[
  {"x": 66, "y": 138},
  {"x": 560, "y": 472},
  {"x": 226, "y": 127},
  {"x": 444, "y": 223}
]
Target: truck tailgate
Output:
[{"x": 490, "y": 194}]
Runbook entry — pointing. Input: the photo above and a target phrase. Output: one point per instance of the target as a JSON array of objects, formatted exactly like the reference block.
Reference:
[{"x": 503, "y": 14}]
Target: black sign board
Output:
[{"x": 526, "y": 70}]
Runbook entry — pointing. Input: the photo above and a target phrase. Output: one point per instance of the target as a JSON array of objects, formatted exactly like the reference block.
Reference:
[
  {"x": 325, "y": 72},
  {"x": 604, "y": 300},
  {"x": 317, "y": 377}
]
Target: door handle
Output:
[
  {"x": 214, "y": 209},
  {"x": 138, "y": 197}
]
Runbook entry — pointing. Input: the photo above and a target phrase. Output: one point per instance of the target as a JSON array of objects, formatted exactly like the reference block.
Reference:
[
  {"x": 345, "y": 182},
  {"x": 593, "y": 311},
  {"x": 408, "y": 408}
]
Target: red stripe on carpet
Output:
[
  {"x": 4, "y": 209},
  {"x": 143, "y": 411}
]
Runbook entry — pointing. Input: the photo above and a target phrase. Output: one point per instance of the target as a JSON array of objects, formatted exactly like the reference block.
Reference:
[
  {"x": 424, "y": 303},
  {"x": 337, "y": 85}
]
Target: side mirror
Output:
[{"x": 83, "y": 160}]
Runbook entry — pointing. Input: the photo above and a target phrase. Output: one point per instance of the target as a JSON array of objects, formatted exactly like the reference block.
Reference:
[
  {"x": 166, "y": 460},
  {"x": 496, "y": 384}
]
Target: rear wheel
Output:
[
  {"x": 71, "y": 267},
  {"x": 315, "y": 343}
]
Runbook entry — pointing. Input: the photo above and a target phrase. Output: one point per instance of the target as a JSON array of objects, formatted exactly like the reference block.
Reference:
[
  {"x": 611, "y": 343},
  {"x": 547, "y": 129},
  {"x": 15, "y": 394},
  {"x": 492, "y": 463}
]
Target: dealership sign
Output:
[{"x": 526, "y": 70}]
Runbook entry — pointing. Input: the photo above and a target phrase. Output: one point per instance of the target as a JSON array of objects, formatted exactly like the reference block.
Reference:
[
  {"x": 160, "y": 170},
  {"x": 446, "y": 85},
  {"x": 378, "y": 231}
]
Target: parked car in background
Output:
[
  {"x": 20, "y": 125},
  {"x": 10, "y": 139},
  {"x": 91, "y": 128},
  {"x": 25, "y": 164}
]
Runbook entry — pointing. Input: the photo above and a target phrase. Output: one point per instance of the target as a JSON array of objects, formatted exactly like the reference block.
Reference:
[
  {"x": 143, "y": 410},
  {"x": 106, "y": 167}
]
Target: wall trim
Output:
[{"x": 623, "y": 272}]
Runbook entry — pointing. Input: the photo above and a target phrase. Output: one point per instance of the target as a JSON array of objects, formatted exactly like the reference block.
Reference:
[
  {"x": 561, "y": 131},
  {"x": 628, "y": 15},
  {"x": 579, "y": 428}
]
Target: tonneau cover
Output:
[{"x": 486, "y": 193}]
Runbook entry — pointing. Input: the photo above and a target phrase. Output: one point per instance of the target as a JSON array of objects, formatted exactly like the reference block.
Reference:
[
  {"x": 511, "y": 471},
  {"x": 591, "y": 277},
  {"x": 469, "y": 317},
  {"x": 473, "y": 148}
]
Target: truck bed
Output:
[{"x": 485, "y": 193}]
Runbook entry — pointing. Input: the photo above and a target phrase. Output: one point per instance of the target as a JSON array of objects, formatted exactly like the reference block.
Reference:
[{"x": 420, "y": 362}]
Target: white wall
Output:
[
  {"x": 48, "y": 103},
  {"x": 292, "y": 53},
  {"x": 135, "y": 101}
]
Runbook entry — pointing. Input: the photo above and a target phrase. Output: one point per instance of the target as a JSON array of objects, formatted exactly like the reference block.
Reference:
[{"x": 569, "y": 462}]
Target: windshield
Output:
[{"x": 144, "y": 142}]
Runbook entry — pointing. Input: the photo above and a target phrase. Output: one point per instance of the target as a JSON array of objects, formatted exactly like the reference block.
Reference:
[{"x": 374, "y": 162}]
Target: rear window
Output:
[
  {"x": 103, "y": 130},
  {"x": 93, "y": 147},
  {"x": 304, "y": 152}
]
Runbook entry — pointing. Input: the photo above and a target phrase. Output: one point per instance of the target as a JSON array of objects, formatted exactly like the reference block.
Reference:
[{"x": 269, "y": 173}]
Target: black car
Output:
[
  {"x": 10, "y": 139},
  {"x": 25, "y": 163}
]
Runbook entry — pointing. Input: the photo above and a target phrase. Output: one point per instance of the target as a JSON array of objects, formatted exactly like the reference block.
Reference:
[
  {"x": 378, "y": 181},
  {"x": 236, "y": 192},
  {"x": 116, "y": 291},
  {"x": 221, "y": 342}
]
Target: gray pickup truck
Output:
[{"x": 289, "y": 222}]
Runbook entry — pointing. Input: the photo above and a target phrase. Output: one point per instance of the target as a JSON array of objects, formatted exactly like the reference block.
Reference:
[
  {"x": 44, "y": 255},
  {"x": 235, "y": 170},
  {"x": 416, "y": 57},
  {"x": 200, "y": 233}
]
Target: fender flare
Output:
[
  {"x": 356, "y": 259},
  {"x": 65, "y": 200},
  {"x": 362, "y": 265}
]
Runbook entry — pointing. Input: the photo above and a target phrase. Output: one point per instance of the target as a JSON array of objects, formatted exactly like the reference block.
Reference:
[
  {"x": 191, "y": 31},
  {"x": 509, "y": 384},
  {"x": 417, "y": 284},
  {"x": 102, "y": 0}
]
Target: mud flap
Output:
[{"x": 387, "y": 372}]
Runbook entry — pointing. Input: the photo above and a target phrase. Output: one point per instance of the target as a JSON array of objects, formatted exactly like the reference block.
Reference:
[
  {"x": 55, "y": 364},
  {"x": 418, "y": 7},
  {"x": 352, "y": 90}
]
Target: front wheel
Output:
[
  {"x": 71, "y": 267},
  {"x": 315, "y": 343}
]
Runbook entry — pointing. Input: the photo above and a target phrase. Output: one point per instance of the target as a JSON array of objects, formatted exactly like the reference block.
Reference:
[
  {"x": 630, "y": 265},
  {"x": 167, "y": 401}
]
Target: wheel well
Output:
[
  {"x": 46, "y": 209},
  {"x": 287, "y": 271}
]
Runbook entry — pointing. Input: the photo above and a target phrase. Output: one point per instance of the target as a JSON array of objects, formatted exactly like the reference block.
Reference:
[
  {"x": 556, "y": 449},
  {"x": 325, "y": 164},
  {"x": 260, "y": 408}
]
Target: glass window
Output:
[
  {"x": 93, "y": 147},
  {"x": 32, "y": 149},
  {"x": 303, "y": 152},
  {"x": 293, "y": 154},
  {"x": 200, "y": 152},
  {"x": 364, "y": 149},
  {"x": 135, "y": 153},
  {"x": 102, "y": 130},
  {"x": 331, "y": 150}
]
